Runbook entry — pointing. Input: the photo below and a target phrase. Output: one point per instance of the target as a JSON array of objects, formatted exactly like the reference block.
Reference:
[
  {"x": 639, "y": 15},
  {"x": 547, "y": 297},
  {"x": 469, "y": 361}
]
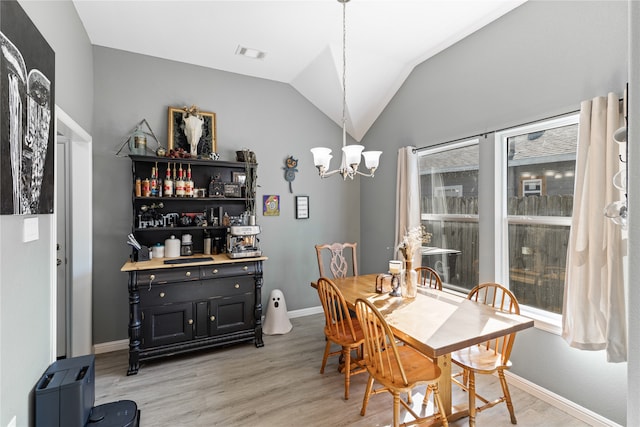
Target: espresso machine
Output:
[{"x": 242, "y": 241}]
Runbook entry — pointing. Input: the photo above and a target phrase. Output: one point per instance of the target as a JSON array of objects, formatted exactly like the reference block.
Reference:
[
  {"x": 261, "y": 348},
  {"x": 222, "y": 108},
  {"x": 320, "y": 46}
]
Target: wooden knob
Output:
[
  {"x": 152, "y": 277},
  {"x": 191, "y": 321},
  {"x": 188, "y": 274},
  {"x": 162, "y": 294},
  {"x": 213, "y": 318},
  {"x": 215, "y": 271},
  {"x": 245, "y": 268},
  {"x": 236, "y": 286}
]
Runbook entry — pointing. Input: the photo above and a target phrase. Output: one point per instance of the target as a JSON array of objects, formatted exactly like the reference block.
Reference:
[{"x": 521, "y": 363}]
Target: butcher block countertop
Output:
[{"x": 198, "y": 259}]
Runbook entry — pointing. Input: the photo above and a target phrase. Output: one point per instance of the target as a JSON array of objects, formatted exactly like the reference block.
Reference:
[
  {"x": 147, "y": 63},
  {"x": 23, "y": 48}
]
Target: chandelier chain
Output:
[{"x": 344, "y": 72}]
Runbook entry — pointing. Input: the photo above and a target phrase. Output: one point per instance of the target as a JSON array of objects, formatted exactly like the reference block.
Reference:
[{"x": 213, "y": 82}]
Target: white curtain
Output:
[
  {"x": 594, "y": 303},
  {"x": 407, "y": 197}
]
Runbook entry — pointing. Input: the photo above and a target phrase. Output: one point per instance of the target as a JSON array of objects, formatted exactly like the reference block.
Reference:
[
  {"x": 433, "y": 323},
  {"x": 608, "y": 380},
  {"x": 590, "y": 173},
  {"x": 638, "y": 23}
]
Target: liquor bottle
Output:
[
  {"x": 138, "y": 187},
  {"x": 154, "y": 181},
  {"x": 188, "y": 184},
  {"x": 179, "y": 184},
  {"x": 146, "y": 188},
  {"x": 168, "y": 183}
]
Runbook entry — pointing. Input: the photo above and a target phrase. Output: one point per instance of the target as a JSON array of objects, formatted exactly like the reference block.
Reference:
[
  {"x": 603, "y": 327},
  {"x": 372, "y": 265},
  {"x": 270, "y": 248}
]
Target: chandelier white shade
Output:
[{"x": 350, "y": 153}]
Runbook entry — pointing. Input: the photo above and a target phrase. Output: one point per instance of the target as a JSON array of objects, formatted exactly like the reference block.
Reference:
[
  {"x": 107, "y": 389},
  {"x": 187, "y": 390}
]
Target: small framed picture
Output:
[
  {"x": 271, "y": 205},
  {"x": 177, "y": 138},
  {"x": 239, "y": 177},
  {"x": 302, "y": 207}
]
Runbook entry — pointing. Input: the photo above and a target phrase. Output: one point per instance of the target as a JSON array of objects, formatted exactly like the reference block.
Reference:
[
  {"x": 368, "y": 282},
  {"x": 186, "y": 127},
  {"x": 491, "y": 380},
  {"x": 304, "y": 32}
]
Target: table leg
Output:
[{"x": 444, "y": 384}]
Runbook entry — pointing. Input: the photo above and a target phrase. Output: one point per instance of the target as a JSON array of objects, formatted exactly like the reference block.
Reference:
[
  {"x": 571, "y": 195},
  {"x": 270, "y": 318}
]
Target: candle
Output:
[{"x": 395, "y": 266}]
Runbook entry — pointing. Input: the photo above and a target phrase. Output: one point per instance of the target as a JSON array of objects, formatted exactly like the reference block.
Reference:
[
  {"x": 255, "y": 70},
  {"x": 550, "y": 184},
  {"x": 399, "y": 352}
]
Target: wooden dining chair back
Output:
[
  {"x": 398, "y": 369},
  {"x": 429, "y": 278},
  {"x": 488, "y": 357},
  {"x": 340, "y": 329},
  {"x": 343, "y": 260}
]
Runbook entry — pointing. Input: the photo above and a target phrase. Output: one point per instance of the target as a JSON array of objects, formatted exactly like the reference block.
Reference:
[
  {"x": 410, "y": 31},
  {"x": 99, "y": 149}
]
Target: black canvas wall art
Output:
[{"x": 27, "y": 76}]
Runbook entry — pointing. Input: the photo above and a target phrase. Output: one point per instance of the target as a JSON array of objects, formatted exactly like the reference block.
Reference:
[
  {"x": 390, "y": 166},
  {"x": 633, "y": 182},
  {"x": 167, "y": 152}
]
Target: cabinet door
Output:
[
  {"x": 167, "y": 324},
  {"x": 232, "y": 313}
]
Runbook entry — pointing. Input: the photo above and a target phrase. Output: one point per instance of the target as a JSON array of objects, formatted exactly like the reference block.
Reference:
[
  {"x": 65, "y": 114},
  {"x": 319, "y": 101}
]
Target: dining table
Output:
[{"x": 436, "y": 323}]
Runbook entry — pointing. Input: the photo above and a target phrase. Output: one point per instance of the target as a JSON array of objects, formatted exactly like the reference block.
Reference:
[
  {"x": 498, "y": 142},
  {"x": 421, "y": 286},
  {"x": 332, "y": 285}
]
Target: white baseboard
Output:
[
  {"x": 107, "y": 347},
  {"x": 305, "y": 312},
  {"x": 560, "y": 402}
]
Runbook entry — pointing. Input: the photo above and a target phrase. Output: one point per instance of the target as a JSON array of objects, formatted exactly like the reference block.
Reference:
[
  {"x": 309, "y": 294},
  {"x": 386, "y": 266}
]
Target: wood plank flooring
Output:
[{"x": 277, "y": 385}]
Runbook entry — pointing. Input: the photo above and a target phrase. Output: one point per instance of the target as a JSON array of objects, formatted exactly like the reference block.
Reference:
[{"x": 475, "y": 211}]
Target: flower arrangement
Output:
[{"x": 412, "y": 241}]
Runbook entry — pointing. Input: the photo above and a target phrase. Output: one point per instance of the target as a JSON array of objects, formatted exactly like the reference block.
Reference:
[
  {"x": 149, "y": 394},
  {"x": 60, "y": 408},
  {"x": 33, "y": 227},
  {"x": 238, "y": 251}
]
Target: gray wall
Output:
[
  {"x": 25, "y": 268},
  {"x": 541, "y": 59},
  {"x": 267, "y": 117}
]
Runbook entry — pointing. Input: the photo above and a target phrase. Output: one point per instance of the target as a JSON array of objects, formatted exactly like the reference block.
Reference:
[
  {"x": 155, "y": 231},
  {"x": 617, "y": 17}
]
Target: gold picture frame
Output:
[{"x": 176, "y": 138}]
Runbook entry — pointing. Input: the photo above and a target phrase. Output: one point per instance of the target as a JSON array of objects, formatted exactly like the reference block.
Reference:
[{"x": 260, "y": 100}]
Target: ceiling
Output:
[{"x": 301, "y": 39}]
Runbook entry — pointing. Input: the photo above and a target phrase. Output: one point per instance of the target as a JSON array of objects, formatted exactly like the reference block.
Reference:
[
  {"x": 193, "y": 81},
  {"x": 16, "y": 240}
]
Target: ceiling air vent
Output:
[{"x": 250, "y": 53}]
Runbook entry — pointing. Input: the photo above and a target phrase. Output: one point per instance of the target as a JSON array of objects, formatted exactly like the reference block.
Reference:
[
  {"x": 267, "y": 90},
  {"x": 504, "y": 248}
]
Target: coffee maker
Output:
[{"x": 242, "y": 241}]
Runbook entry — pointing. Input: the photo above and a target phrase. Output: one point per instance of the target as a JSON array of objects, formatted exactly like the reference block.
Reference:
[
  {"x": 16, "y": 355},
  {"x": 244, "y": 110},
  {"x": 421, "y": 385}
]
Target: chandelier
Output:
[{"x": 350, "y": 153}]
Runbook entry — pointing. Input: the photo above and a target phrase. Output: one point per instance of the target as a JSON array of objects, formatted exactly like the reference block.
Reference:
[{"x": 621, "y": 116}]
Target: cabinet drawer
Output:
[
  {"x": 153, "y": 277},
  {"x": 235, "y": 269},
  {"x": 230, "y": 286},
  {"x": 169, "y": 294}
]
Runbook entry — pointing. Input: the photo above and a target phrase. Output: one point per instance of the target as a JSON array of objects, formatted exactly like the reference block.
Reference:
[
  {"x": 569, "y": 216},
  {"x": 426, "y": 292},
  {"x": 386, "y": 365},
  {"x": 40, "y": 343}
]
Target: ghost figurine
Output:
[
  {"x": 193, "y": 131},
  {"x": 276, "y": 321}
]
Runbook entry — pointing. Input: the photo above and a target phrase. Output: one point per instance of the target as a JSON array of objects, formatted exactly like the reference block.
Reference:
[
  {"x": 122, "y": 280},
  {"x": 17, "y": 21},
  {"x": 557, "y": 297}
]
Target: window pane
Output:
[
  {"x": 537, "y": 260},
  {"x": 540, "y": 172},
  {"x": 449, "y": 181},
  {"x": 453, "y": 253},
  {"x": 449, "y": 186}
]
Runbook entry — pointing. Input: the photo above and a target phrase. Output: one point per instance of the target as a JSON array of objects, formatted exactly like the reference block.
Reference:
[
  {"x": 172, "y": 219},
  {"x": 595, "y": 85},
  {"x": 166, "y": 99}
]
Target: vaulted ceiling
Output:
[{"x": 301, "y": 41}]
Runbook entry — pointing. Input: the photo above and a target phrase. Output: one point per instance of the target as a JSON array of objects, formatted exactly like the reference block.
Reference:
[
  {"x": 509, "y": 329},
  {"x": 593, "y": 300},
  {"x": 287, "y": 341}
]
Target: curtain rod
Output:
[{"x": 484, "y": 134}]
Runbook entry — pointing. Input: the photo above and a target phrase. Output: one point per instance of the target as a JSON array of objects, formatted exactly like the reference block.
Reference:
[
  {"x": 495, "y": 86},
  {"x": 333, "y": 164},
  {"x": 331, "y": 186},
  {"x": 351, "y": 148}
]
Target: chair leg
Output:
[
  {"x": 327, "y": 349},
  {"x": 367, "y": 394},
  {"x": 346, "y": 351},
  {"x": 471, "y": 378},
  {"x": 437, "y": 401},
  {"x": 427, "y": 392},
  {"x": 396, "y": 409},
  {"x": 507, "y": 396}
]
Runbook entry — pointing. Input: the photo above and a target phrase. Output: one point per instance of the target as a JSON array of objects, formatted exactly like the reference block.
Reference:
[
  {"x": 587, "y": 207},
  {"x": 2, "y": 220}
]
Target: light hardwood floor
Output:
[{"x": 277, "y": 385}]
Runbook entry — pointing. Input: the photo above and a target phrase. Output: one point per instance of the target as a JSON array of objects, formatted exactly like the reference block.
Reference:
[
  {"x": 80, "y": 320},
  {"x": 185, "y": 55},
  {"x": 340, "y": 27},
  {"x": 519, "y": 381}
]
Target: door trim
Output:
[{"x": 80, "y": 243}]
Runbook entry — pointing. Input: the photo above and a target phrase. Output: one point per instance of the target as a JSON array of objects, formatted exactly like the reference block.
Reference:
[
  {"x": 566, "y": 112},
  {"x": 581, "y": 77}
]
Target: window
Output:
[
  {"x": 531, "y": 212},
  {"x": 538, "y": 187},
  {"x": 449, "y": 195}
]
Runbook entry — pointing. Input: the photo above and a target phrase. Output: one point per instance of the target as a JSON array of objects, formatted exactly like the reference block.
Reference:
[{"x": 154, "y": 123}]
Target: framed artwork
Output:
[
  {"x": 302, "y": 207},
  {"x": 177, "y": 139},
  {"x": 27, "y": 73},
  {"x": 239, "y": 177},
  {"x": 270, "y": 205}
]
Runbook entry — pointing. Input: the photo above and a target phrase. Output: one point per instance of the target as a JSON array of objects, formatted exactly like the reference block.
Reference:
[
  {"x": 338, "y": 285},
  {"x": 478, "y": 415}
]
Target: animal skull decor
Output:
[{"x": 192, "y": 123}]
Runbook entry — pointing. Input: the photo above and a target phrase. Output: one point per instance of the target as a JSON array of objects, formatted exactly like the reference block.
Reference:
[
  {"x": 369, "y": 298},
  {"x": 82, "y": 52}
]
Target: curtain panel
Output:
[
  {"x": 594, "y": 315},
  {"x": 407, "y": 198}
]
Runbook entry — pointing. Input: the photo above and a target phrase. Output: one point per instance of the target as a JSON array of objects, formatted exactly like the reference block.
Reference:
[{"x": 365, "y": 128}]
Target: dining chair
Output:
[
  {"x": 343, "y": 259},
  {"x": 398, "y": 369},
  {"x": 429, "y": 278},
  {"x": 488, "y": 357},
  {"x": 341, "y": 329}
]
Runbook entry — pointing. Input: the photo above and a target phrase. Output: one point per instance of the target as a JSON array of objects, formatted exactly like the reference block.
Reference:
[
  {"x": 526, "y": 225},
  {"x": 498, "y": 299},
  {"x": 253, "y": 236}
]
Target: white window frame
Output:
[{"x": 545, "y": 320}]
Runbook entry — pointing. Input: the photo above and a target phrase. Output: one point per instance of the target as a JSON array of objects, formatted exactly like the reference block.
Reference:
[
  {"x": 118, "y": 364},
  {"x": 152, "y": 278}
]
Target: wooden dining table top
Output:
[{"x": 435, "y": 322}]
